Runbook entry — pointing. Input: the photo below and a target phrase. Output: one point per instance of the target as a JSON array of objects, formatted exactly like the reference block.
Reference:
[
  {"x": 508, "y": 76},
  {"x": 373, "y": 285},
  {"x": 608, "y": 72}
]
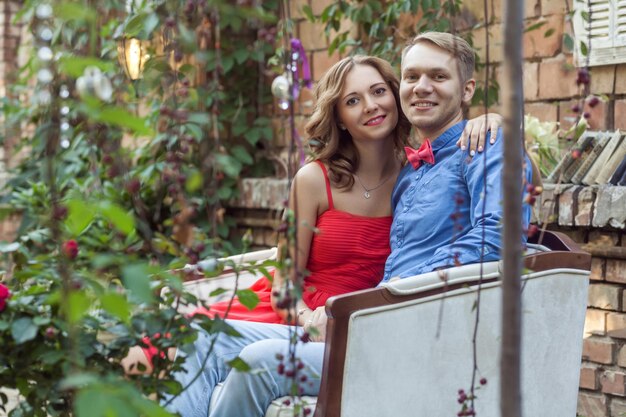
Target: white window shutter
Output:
[{"x": 606, "y": 31}]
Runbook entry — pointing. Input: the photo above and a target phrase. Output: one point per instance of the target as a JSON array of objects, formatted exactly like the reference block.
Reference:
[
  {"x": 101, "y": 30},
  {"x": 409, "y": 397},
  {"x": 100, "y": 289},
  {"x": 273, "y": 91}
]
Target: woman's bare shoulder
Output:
[{"x": 310, "y": 176}]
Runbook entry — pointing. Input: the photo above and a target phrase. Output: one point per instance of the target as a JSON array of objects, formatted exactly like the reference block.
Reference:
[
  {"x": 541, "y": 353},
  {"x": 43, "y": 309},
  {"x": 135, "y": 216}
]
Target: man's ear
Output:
[{"x": 468, "y": 90}]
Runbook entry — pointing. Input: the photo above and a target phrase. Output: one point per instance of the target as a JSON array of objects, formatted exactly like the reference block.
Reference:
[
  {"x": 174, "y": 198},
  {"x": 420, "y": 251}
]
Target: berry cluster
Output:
[{"x": 466, "y": 399}]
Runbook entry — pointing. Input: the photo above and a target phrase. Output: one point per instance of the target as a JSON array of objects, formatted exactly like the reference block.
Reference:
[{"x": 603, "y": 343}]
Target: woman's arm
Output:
[{"x": 308, "y": 191}]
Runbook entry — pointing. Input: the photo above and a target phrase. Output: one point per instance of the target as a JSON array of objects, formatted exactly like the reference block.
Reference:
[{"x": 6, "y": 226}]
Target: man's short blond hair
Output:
[{"x": 455, "y": 45}]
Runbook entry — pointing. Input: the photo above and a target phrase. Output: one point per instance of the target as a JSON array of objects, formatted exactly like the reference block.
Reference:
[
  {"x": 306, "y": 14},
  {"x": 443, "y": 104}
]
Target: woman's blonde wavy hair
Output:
[{"x": 334, "y": 146}]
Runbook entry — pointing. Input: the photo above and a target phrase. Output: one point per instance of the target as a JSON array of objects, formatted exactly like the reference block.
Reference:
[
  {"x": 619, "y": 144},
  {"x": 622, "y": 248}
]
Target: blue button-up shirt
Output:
[{"x": 441, "y": 211}]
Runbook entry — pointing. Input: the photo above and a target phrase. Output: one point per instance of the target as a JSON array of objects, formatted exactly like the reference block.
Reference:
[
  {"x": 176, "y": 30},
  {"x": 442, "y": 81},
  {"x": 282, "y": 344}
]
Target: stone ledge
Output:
[
  {"x": 262, "y": 193},
  {"x": 600, "y": 206}
]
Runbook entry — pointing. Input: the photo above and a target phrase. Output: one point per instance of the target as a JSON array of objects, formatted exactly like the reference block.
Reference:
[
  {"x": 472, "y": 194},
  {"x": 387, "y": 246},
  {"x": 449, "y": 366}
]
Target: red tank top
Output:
[{"x": 348, "y": 253}]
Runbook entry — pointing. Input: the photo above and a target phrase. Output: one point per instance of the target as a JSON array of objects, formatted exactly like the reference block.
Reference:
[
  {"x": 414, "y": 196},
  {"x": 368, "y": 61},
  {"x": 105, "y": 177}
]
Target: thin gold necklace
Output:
[{"x": 367, "y": 194}]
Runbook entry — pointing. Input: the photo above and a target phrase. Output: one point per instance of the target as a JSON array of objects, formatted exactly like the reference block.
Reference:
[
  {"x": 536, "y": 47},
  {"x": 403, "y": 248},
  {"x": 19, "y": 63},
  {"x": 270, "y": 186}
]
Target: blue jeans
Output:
[{"x": 244, "y": 394}]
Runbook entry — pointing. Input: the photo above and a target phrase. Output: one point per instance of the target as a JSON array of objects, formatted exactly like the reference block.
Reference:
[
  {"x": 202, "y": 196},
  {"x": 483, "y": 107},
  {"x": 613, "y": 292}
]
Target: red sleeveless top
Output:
[{"x": 348, "y": 254}]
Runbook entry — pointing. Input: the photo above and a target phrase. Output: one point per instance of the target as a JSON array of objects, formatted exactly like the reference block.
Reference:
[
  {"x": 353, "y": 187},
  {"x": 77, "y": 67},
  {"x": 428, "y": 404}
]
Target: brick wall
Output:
[
  {"x": 595, "y": 217},
  {"x": 10, "y": 36}
]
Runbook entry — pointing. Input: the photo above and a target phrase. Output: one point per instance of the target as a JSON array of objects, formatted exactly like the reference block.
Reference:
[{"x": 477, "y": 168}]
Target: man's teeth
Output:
[{"x": 424, "y": 104}]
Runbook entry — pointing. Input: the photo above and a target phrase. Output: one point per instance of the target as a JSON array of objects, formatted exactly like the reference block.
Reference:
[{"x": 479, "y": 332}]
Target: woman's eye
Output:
[
  {"x": 380, "y": 91},
  {"x": 351, "y": 101}
]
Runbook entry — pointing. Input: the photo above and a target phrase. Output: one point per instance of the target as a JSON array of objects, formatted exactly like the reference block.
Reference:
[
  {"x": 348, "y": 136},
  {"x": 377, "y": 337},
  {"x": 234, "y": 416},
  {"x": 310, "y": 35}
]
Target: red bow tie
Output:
[{"x": 423, "y": 154}]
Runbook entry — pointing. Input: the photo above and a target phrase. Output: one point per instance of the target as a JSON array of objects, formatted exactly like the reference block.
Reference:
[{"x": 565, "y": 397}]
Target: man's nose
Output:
[{"x": 423, "y": 85}]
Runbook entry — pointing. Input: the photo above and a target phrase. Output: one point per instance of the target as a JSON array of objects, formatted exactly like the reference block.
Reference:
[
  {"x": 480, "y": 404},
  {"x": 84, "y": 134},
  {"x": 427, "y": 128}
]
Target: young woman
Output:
[{"x": 342, "y": 198}]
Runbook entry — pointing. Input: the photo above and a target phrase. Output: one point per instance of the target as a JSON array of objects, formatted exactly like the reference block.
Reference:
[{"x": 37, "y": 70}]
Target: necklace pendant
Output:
[{"x": 366, "y": 194}]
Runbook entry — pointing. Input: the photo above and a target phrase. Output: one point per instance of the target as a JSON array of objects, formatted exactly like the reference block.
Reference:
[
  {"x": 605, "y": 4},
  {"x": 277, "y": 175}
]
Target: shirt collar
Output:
[{"x": 449, "y": 136}]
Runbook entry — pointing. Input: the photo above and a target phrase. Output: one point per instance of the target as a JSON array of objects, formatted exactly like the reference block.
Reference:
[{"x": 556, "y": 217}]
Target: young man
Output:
[
  {"x": 443, "y": 201},
  {"x": 446, "y": 212}
]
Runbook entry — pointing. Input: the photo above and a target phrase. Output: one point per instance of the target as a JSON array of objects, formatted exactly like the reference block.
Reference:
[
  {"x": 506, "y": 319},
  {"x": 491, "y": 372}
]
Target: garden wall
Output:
[{"x": 593, "y": 216}]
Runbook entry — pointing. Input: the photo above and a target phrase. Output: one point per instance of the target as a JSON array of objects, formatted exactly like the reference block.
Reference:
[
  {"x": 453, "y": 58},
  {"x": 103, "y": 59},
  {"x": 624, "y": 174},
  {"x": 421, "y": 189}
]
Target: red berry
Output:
[
  {"x": 70, "y": 249},
  {"x": 60, "y": 213},
  {"x": 50, "y": 333},
  {"x": 280, "y": 369},
  {"x": 133, "y": 186},
  {"x": 593, "y": 101},
  {"x": 483, "y": 381},
  {"x": 586, "y": 115},
  {"x": 107, "y": 159},
  {"x": 576, "y": 108}
]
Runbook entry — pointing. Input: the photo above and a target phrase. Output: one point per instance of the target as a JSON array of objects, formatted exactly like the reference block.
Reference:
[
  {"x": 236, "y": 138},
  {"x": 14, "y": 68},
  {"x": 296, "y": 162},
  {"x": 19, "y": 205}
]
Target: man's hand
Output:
[
  {"x": 476, "y": 131},
  {"x": 315, "y": 324}
]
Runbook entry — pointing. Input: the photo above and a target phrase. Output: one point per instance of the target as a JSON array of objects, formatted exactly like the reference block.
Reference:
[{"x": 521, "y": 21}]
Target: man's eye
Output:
[
  {"x": 410, "y": 77},
  {"x": 440, "y": 77}
]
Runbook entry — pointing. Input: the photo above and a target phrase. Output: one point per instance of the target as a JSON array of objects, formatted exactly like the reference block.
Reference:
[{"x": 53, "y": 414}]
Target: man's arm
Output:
[{"x": 483, "y": 240}]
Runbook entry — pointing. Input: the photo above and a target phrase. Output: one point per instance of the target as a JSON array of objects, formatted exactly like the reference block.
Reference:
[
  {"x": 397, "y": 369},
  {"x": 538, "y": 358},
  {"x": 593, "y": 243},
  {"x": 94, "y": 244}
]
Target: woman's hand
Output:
[
  {"x": 476, "y": 132},
  {"x": 316, "y": 320}
]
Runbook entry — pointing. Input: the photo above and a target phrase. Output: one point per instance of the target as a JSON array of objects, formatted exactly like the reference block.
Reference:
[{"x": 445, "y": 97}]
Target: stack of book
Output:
[{"x": 597, "y": 158}]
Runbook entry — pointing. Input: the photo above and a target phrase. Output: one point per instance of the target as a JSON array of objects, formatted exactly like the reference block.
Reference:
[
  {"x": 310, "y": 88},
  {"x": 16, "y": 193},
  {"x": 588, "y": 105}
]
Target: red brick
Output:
[
  {"x": 602, "y": 79},
  {"x": 620, "y": 81},
  {"x": 595, "y": 322},
  {"x": 591, "y": 405},
  {"x": 312, "y": 35},
  {"x": 531, "y": 77},
  {"x": 545, "y": 112},
  {"x": 598, "y": 351},
  {"x": 621, "y": 356},
  {"x": 296, "y": 8},
  {"x": 495, "y": 43},
  {"x": 305, "y": 103},
  {"x": 613, "y": 383},
  {"x": 616, "y": 271},
  {"x": 557, "y": 78},
  {"x": 537, "y": 45},
  {"x": 566, "y": 116},
  {"x": 616, "y": 325},
  {"x": 597, "y": 269},
  {"x": 549, "y": 7},
  {"x": 321, "y": 62},
  {"x": 318, "y": 6},
  {"x": 605, "y": 297},
  {"x": 589, "y": 377},
  {"x": 620, "y": 114}
]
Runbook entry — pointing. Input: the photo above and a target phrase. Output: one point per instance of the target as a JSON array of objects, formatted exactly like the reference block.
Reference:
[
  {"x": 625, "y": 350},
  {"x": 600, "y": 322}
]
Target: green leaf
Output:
[
  {"x": 248, "y": 298},
  {"x": 122, "y": 117},
  {"x": 218, "y": 291},
  {"x": 137, "y": 279},
  {"x": 74, "y": 66},
  {"x": 141, "y": 25},
  {"x": 548, "y": 33},
  {"x": 116, "y": 305},
  {"x": 239, "y": 364},
  {"x": 583, "y": 48},
  {"x": 74, "y": 11},
  {"x": 228, "y": 165},
  {"x": 308, "y": 13},
  {"x": 193, "y": 182},
  {"x": 9, "y": 247},
  {"x": 23, "y": 330},
  {"x": 80, "y": 215},
  {"x": 535, "y": 26},
  {"x": 241, "y": 154},
  {"x": 77, "y": 305},
  {"x": 241, "y": 55},
  {"x": 122, "y": 220},
  {"x": 568, "y": 41},
  {"x": 199, "y": 118}
]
